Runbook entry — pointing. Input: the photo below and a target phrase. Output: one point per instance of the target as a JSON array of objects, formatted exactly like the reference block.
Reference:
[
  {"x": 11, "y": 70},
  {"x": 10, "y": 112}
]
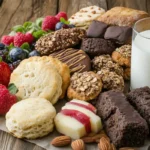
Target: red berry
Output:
[
  {"x": 5, "y": 73},
  {"x": 6, "y": 100},
  {"x": 61, "y": 14},
  {"x": 19, "y": 39},
  {"x": 49, "y": 23},
  {"x": 29, "y": 37},
  {"x": 6, "y": 39}
]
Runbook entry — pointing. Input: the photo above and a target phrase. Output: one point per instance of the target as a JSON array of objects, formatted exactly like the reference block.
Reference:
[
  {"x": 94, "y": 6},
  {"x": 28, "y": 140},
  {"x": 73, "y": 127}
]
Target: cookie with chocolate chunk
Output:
[
  {"x": 84, "y": 86},
  {"x": 97, "y": 46},
  {"x": 77, "y": 60},
  {"x": 61, "y": 39}
]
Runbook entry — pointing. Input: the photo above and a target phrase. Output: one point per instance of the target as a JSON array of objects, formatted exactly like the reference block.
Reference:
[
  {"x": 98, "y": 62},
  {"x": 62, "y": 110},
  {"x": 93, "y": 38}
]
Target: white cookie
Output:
[
  {"x": 31, "y": 118},
  {"x": 36, "y": 79},
  {"x": 86, "y": 15}
]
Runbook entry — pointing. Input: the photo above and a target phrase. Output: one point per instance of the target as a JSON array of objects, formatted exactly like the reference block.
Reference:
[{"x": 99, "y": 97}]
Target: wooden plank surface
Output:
[{"x": 13, "y": 12}]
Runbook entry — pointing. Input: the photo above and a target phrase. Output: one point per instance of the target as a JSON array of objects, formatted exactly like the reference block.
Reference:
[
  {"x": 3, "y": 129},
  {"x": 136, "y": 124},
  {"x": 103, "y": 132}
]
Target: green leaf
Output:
[
  {"x": 38, "y": 34},
  {"x": 64, "y": 21},
  {"x": 25, "y": 46},
  {"x": 18, "y": 28},
  {"x": 11, "y": 46},
  {"x": 1, "y": 59},
  {"x": 28, "y": 25},
  {"x": 12, "y": 88},
  {"x": 39, "y": 21}
]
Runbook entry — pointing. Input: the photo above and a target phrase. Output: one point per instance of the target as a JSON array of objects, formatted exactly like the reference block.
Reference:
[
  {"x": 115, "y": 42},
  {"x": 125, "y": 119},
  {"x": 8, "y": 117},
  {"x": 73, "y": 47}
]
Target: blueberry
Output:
[
  {"x": 59, "y": 25},
  {"x": 71, "y": 25},
  {"x": 17, "y": 54},
  {"x": 34, "y": 53},
  {"x": 65, "y": 26},
  {"x": 2, "y": 46}
]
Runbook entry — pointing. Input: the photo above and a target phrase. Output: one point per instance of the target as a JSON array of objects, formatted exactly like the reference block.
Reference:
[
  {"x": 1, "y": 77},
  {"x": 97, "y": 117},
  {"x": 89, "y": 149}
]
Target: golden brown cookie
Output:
[
  {"x": 62, "y": 69},
  {"x": 111, "y": 80},
  {"x": 122, "y": 16},
  {"x": 122, "y": 55},
  {"x": 36, "y": 79},
  {"x": 106, "y": 62},
  {"x": 84, "y": 86},
  {"x": 127, "y": 72}
]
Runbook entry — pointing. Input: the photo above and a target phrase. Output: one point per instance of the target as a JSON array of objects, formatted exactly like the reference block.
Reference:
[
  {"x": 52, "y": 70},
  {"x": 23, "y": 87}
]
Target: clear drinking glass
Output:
[{"x": 140, "y": 57}]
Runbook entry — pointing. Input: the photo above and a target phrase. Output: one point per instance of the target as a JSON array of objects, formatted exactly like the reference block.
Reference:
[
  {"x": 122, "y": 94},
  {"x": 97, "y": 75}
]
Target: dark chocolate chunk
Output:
[
  {"x": 77, "y": 60},
  {"x": 97, "y": 46},
  {"x": 96, "y": 29},
  {"x": 123, "y": 124},
  {"x": 140, "y": 99},
  {"x": 120, "y": 34}
]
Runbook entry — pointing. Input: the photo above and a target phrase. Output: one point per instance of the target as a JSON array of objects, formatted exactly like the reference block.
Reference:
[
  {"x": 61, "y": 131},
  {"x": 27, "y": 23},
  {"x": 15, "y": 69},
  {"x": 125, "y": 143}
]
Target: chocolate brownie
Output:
[
  {"x": 140, "y": 99},
  {"x": 97, "y": 46},
  {"x": 122, "y": 122}
]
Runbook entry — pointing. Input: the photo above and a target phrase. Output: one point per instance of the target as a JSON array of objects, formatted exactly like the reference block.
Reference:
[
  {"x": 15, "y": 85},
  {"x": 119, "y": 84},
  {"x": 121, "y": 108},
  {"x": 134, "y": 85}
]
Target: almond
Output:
[
  {"x": 61, "y": 141},
  {"x": 78, "y": 145},
  {"x": 104, "y": 144},
  {"x": 126, "y": 148}
]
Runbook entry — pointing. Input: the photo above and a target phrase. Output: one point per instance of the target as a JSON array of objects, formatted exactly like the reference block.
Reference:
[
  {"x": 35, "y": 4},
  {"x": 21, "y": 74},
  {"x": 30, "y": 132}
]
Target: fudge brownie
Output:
[
  {"x": 97, "y": 46},
  {"x": 140, "y": 99},
  {"x": 123, "y": 124}
]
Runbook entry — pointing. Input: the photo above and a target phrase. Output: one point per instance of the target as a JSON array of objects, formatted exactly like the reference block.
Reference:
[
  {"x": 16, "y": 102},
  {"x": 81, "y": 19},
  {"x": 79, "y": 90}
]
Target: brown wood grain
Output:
[{"x": 13, "y": 12}]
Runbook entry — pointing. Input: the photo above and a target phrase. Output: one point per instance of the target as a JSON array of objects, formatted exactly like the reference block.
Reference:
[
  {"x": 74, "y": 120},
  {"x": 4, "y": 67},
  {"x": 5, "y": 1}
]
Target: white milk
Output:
[{"x": 140, "y": 61}]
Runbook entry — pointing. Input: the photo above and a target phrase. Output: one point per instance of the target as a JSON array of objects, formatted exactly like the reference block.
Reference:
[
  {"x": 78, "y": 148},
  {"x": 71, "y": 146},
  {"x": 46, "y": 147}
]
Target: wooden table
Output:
[{"x": 13, "y": 12}]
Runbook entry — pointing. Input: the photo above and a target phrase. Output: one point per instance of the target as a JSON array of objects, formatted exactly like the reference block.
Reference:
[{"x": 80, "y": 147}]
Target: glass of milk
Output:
[{"x": 140, "y": 57}]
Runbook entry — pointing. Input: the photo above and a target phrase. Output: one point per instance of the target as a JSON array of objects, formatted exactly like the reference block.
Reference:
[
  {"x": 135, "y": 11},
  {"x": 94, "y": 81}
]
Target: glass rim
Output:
[{"x": 134, "y": 26}]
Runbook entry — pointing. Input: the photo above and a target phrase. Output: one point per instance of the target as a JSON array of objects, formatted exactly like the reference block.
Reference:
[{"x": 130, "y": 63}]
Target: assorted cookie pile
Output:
[{"x": 78, "y": 65}]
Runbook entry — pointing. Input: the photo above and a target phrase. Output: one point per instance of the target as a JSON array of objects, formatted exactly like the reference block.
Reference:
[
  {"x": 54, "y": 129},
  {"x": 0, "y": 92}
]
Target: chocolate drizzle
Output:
[{"x": 77, "y": 60}]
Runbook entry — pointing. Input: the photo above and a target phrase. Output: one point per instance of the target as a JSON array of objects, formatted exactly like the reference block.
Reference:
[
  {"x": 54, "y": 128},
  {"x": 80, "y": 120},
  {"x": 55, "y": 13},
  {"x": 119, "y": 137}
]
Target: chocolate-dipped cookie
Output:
[
  {"x": 119, "y": 34},
  {"x": 97, "y": 46},
  {"x": 77, "y": 60},
  {"x": 96, "y": 29}
]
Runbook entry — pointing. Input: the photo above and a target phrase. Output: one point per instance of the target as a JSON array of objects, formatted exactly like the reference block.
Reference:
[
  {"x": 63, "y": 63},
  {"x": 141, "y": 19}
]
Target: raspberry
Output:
[
  {"x": 29, "y": 38},
  {"x": 19, "y": 39},
  {"x": 49, "y": 23},
  {"x": 61, "y": 14},
  {"x": 6, "y": 39},
  {"x": 5, "y": 73},
  {"x": 6, "y": 100}
]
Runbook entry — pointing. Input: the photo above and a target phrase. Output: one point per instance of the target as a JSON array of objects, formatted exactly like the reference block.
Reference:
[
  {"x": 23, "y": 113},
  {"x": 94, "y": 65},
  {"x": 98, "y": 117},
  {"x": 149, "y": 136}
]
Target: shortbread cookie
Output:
[
  {"x": 84, "y": 86},
  {"x": 31, "y": 118},
  {"x": 62, "y": 69},
  {"x": 97, "y": 46},
  {"x": 105, "y": 62},
  {"x": 86, "y": 15},
  {"x": 111, "y": 80},
  {"x": 61, "y": 39},
  {"x": 122, "y": 55},
  {"x": 122, "y": 16},
  {"x": 36, "y": 79},
  {"x": 77, "y": 60}
]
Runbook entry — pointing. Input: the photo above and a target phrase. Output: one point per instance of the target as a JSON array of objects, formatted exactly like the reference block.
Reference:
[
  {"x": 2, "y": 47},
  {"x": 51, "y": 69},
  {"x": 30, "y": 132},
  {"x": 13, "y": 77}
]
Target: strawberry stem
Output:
[{"x": 1, "y": 59}]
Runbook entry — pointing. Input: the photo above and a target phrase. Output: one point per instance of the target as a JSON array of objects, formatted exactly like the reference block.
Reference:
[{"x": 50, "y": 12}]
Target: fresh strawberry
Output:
[
  {"x": 6, "y": 39},
  {"x": 49, "y": 23},
  {"x": 4, "y": 73},
  {"x": 29, "y": 38},
  {"x": 61, "y": 15},
  {"x": 6, "y": 100},
  {"x": 19, "y": 39}
]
